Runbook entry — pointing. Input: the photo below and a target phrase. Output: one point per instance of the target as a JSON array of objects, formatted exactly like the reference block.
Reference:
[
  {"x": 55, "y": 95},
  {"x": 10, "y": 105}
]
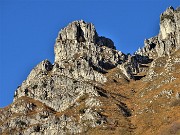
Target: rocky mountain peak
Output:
[
  {"x": 169, "y": 23},
  {"x": 81, "y": 52},
  {"x": 93, "y": 88},
  {"x": 81, "y": 31},
  {"x": 78, "y": 31},
  {"x": 168, "y": 38}
]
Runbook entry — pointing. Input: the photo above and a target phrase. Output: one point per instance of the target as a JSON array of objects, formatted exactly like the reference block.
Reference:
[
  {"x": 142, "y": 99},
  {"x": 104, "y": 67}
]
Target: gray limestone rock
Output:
[
  {"x": 82, "y": 59},
  {"x": 64, "y": 97},
  {"x": 88, "y": 59},
  {"x": 168, "y": 39}
]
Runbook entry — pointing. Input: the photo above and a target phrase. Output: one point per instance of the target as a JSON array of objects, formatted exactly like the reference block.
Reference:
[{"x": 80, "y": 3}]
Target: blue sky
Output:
[{"x": 28, "y": 29}]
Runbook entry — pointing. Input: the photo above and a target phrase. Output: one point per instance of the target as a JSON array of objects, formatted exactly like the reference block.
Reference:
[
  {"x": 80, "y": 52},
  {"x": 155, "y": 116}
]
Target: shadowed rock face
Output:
[{"x": 88, "y": 84}]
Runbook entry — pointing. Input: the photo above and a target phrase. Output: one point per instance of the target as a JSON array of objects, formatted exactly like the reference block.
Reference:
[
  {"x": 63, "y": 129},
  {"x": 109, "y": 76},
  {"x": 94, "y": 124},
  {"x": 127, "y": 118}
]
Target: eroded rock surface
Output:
[
  {"x": 168, "y": 39},
  {"x": 93, "y": 88}
]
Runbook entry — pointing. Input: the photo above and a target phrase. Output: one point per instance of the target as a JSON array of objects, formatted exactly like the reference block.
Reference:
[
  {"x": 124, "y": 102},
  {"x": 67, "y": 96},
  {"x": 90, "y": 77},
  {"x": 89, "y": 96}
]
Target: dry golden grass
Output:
[{"x": 149, "y": 115}]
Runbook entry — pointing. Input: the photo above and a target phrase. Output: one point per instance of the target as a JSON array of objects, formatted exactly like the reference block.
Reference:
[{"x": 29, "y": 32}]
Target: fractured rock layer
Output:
[{"x": 93, "y": 88}]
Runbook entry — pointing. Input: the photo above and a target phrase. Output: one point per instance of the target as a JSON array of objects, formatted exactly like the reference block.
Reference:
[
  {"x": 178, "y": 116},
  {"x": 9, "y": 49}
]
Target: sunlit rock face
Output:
[
  {"x": 168, "y": 38},
  {"x": 81, "y": 53},
  {"x": 79, "y": 31},
  {"x": 82, "y": 60},
  {"x": 80, "y": 90},
  {"x": 169, "y": 23},
  {"x": 80, "y": 57},
  {"x": 169, "y": 30}
]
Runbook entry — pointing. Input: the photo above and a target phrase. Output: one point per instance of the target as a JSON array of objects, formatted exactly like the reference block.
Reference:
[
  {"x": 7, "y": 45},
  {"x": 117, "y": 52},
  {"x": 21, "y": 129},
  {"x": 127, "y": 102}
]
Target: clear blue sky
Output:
[{"x": 28, "y": 29}]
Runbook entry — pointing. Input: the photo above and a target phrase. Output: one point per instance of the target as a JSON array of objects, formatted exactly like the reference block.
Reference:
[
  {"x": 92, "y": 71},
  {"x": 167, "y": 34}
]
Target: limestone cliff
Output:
[
  {"x": 168, "y": 39},
  {"x": 92, "y": 88}
]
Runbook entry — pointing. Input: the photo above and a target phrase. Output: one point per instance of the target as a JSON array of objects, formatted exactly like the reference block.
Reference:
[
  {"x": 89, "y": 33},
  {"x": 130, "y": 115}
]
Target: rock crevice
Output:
[{"x": 79, "y": 91}]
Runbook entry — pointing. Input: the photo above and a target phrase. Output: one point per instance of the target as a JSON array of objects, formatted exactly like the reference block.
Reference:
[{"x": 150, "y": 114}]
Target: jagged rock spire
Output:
[
  {"x": 79, "y": 47},
  {"x": 168, "y": 38},
  {"x": 79, "y": 31},
  {"x": 81, "y": 89}
]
